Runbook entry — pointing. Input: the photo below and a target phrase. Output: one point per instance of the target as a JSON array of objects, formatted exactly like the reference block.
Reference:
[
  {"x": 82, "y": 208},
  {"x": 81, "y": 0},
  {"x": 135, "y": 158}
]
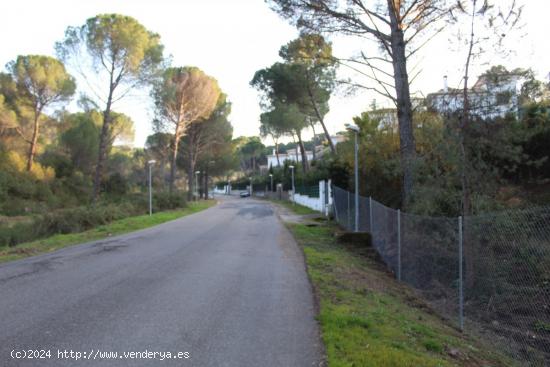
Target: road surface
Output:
[{"x": 223, "y": 287}]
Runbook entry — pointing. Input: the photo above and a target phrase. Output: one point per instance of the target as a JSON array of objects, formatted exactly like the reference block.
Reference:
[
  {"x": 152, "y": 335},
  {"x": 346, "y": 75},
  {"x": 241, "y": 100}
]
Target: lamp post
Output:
[
  {"x": 355, "y": 130},
  {"x": 150, "y": 164},
  {"x": 292, "y": 173},
  {"x": 271, "y": 178},
  {"x": 197, "y": 173}
]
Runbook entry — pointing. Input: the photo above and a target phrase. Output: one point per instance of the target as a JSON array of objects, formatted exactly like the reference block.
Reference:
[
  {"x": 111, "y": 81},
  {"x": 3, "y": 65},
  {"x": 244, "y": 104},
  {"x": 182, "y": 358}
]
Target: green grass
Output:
[
  {"x": 112, "y": 229},
  {"x": 370, "y": 320}
]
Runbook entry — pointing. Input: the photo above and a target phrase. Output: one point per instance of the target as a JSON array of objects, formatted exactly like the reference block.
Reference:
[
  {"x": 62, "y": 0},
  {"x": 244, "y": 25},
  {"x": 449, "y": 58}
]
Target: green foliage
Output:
[
  {"x": 41, "y": 79},
  {"x": 184, "y": 95},
  {"x": 250, "y": 151},
  {"x": 81, "y": 140},
  {"x": 78, "y": 219},
  {"x": 502, "y": 151},
  {"x": 116, "y": 184},
  {"x": 115, "y": 40}
]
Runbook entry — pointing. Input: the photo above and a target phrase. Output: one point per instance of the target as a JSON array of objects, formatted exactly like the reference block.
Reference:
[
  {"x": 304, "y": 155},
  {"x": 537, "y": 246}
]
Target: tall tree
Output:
[
  {"x": 394, "y": 25},
  {"x": 211, "y": 145},
  {"x": 121, "y": 49},
  {"x": 268, "y": 127},
  {"x": 185, "y": 95},
  {"x": 40, "y": 81},
  {"x": 202, "y": 139},
  {"x": 486, "y": 23},
  {"x": 250, "y": 150},
  {"x": 283, "y": 84},
  {"x": 314, "y": 54}
]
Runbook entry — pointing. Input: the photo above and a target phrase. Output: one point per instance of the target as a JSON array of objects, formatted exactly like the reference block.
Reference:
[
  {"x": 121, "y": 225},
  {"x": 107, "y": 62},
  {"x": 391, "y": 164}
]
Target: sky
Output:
[{"x": 230, "y": 40}]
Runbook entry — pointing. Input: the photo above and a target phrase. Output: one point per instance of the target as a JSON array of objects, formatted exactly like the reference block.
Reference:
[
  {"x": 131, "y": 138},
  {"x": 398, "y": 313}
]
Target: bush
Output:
[
  {"x": 18, "y": 233},
  {"x": 86, "y": 217},
  {"x": 116, "y": 184},
  {"x": 81, "y": 218},
  {"x": 168, "y": 201}
]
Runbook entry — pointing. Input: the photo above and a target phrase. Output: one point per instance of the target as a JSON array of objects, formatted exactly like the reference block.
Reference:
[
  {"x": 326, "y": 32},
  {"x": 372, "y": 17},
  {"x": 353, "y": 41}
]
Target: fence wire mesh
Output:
[{"x": 505, "y": 268}]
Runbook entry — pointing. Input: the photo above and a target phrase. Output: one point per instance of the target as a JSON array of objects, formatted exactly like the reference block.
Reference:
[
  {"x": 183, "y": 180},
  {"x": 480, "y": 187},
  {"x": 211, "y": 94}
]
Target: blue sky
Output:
[{"x": 230, "y": 40}]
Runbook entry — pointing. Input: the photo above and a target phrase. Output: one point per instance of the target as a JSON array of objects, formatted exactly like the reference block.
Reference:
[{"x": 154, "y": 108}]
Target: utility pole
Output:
[{"x": 355, "y": 130}]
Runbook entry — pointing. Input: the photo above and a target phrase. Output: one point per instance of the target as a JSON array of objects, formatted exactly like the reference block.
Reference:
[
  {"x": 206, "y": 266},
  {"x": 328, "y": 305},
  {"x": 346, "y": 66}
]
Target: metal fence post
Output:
[
  {"x": 460, "y": 277},
  {"x": 334, "y": 204},
  {"x": 370, "y": 217},
  {"x": 349, "y": 211},
  {"x": 399, "y": 244}
]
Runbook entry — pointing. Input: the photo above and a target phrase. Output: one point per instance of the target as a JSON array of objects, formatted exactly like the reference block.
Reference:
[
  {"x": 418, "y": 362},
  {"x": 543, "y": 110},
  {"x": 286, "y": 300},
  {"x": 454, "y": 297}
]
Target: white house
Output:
[
  {"x": 491, "y": 96},
  {"x": 291, "y": 155},
  {"x": 294, "y": 155}
]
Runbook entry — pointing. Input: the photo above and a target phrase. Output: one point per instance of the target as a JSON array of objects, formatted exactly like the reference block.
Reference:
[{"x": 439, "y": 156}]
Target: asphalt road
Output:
[{"x": 227, "y": 286}]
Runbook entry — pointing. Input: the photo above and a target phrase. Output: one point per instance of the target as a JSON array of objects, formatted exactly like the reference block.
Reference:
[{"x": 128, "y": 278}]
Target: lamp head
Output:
[{"x": 352, "y": 127}]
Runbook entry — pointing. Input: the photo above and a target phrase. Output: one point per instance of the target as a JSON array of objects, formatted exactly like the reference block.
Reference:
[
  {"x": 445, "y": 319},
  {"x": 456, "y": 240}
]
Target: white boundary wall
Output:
[{"x": 317, "y": 204}]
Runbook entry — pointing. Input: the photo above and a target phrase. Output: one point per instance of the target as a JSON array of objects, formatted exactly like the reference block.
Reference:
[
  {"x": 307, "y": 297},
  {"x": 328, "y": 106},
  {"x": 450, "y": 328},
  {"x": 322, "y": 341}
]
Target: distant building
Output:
[
  {"x": 294, "y": 155},
  {"x": 493, "y": 95}
]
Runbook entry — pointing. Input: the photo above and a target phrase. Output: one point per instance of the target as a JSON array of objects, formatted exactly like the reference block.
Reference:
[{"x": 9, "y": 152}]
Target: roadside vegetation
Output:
[
  {"x": 113, "y": 228},
  {"x": 67, "y": 171},
  {"x": 369, "y": 319}
]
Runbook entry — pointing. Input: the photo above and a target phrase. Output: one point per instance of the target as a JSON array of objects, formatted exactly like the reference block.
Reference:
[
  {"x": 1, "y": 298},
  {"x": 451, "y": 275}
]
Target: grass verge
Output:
[
  {"x": 296, "y": 208},
  {"x": 118, "y": 227},
  {"x": 370, "y": 320}
]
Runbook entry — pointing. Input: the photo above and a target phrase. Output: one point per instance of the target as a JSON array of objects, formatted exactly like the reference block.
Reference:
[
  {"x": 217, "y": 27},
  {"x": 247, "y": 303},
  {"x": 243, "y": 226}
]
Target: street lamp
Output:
[
  {"x": 293, "y": 189},
  {"x": 271, "y": 178},
  {"x": 150, "y": 164},
  {"x": 355, "y": 129},
  {"x": 197, "y": 173}
]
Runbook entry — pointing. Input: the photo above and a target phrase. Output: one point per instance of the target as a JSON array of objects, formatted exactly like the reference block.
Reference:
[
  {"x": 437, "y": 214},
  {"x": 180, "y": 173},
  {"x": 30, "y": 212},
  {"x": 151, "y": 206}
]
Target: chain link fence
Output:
[{"x": 490, "y": 274}]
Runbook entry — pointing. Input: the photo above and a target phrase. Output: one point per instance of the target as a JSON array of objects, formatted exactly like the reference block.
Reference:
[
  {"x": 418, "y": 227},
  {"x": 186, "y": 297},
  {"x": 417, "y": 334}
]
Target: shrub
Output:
[
  {"x": 18, "y": 233},
  {"x": 169, "y": 201},
  {"x": 116, "y": 184}
]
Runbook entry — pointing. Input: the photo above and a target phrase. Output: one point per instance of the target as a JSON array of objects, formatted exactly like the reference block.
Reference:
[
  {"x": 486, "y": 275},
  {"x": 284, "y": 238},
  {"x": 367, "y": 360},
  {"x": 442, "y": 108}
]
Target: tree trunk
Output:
[
  {"x": 314, "y": 141},
  {"x": 34, "y": 140},
  {"x": 163, "y": 172},
  {"x": 206, "y": 184},
  {"x": 103, "y": 137},
  {"x": 190, "y": 175},
  {"x": 277, "y": 153},
  {"x": 174, "y": 159},
  {"x": 295, "y": 148},
  {"x": 404, "y": 107},
  {"x": 319, "y": 116},
  {"x": 305, "y": 165}
]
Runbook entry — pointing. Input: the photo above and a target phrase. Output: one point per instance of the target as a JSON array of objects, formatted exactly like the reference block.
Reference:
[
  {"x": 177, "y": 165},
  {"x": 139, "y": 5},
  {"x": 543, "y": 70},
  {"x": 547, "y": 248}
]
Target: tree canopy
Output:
[{"x": 120, "y": 48}]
